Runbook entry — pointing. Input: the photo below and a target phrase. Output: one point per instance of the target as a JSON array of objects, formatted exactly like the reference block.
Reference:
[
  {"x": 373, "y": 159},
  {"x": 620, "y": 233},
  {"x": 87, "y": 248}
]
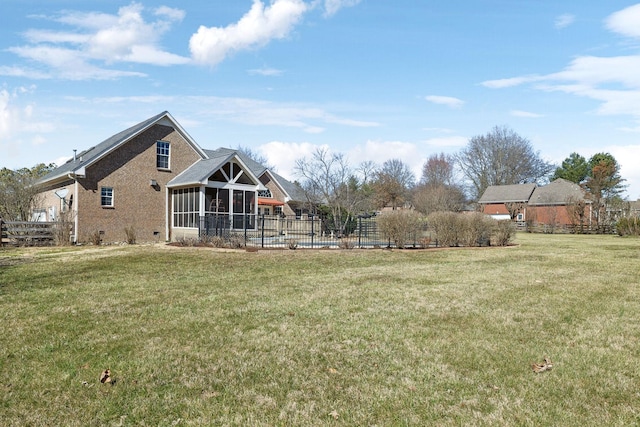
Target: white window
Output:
[
  {"x": 162, "y": 155},
  {"x": 106, "y": 196}
]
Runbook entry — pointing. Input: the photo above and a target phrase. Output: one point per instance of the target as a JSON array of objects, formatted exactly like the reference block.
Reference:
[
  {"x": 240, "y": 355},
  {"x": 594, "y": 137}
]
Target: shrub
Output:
[
  {"x": 628, "y": 226},
  {"x": 425, "y": 242},
  {"x": 503, "y": 232},
  {"x": 130, "y": 234},
  {"x": 235, "y": 241},
  {"x": 399, "y": 226},
  {"x": 62, "y": 233},
  {"x": 447, "y": 227},
  {"x": 346, "y": 244},
  {"x": 95, "y": 238},
  {"x": 476, "y": 229}
]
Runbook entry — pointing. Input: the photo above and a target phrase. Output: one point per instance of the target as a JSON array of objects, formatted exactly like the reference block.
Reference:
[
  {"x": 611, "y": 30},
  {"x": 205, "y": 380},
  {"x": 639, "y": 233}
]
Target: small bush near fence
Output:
[
  {"x": 231, "y": 241},
  {"x": 400, "y": 226},
  {"x": 475, "y": 229},
  {"x": 628, "y": 226}
]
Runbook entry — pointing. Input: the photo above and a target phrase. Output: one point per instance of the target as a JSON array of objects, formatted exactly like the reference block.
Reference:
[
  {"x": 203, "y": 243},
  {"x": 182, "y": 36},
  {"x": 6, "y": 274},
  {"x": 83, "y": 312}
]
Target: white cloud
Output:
[
  {"x": 525, "y": 114},
  {"x": 381, "y": 151},
  {"x": 449, "y": 101},
  {"x": 171, "y": 13},
  {"x": 255, "y": 112},
  {"x": 447, "y": 142},
  {"x": 16, "y": 121},
  {"x": 333, "y": 6},
  {"x": 510, "y": 82},
  {"x": 629, "y": 159},
  {"x": 211, "y": 45},
  {"x": 283, "y": 155},
  {"x": 614, "y": 81},
  {"x": 625, "y": 21},
  {"x": 96, "y": 39},
  {"x": 564, "y": 20},
  {"x": 269, "y": 72}
]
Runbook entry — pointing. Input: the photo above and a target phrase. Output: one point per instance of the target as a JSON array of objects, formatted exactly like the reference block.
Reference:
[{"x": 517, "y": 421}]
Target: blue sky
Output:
[{"x": 372, "y": 79}]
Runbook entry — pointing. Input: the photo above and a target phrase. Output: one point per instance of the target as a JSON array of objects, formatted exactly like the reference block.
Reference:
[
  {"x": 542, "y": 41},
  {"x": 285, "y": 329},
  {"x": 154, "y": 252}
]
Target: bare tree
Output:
[
  {"x": 428, "y": 198},
  {"x": 256, "y": 157},
  {"x": 501, "y": 157},
  {"x": 328, "y": 180},
  {"x": 438, "y": 191},
  {"x": 438, "y": 170},
  {"x": 392, "y": 183},
  {"x": 19, "y": 192}
]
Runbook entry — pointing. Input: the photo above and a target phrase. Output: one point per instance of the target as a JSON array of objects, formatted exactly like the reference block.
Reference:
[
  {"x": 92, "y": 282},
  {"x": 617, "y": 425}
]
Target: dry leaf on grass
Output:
[
  {"x": 334, "y": 414},
  {"x": 547, "y": 365},
  {"x": 105, "y": 377}
]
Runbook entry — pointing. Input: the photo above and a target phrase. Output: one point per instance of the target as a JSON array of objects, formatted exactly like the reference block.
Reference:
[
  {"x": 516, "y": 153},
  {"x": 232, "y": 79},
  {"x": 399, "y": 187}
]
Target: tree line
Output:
[{"x": 448, "y": 182}]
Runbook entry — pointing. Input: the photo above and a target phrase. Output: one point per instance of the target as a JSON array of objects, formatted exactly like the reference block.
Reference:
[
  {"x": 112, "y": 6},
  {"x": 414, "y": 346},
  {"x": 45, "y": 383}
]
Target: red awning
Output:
[{"x": 262, "y": 201}]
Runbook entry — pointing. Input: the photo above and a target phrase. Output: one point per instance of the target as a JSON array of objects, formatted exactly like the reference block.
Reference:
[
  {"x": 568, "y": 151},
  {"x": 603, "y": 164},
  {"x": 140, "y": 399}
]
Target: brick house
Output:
[
  {"x": 155, "y": 179},
  {"x": 559, "y": 203},
  {"x": 506, "y": 201}
]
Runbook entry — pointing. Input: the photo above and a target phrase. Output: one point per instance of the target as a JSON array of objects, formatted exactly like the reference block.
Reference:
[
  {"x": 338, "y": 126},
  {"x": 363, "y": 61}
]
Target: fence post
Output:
[
  {"x": 246, "y": 225},
  {"x": 262, "y": 231},
  {"x": 1, "y": 232},
  {"x": 359, "y": 231},
  {"x": 312, "y": 230}
]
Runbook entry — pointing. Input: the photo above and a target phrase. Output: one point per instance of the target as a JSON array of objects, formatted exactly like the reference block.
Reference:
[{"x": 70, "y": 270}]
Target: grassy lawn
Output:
[{"x": 324, "y": 337}]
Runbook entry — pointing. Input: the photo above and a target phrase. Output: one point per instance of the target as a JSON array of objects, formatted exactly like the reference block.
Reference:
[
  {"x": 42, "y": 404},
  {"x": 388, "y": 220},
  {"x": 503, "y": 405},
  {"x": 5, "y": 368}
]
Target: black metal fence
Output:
[{"x": 306, "y": 231}]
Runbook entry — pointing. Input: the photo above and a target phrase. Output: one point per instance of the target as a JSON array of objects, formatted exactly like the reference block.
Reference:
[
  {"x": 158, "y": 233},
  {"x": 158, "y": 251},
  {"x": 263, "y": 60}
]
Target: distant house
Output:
[
  {"x": 559, "y": 203},
  {"x": 507, "y": 201},
  {"x": 155, "y": 179}
]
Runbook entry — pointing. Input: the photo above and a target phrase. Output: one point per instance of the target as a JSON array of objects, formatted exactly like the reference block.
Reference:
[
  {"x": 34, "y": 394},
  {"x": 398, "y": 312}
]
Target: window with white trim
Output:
[
  {"x": 162, "y": 155},
  {"x": 106, "y": 197}
]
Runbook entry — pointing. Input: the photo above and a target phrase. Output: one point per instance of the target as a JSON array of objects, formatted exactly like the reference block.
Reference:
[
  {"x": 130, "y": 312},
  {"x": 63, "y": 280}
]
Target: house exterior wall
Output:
[
  {"x": 554, "y": 215},
  {"x": 52, "y": 206},
  {"x": 129, "y": 170},
  {"x": 495, "y": 209},
  {"x": 277, "y": 194}
]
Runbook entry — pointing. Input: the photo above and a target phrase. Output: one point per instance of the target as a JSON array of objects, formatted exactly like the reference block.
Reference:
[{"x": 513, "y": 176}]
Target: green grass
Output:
[{"x": 327, "y": 337}]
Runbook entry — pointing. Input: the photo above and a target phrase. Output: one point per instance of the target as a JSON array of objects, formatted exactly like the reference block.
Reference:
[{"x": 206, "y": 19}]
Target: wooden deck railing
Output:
[{"x": 27, "y": 233}]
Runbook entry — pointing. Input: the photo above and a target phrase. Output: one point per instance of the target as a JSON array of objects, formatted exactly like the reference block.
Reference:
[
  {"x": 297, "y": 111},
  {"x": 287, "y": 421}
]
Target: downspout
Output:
[
  {"x": 75, "y": 205},
  {"x": 167, "y": 210}
]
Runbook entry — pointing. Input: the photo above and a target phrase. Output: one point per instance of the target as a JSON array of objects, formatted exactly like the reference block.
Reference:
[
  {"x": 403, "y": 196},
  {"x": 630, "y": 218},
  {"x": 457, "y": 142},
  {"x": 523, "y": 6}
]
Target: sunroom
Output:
[{"x": 214, "y": 196}]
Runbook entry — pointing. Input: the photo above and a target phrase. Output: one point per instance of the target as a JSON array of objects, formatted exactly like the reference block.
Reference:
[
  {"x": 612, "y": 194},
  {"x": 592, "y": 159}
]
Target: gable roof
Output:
[
  {"x": 199, "y": 172},
  {"x": 256, "y": 168},
  {"x": 557, "y": 192},
  {"x": 507, "y": 193},
  {"x": 77, "y": 166},
  {"x": 293, "y": 190}
]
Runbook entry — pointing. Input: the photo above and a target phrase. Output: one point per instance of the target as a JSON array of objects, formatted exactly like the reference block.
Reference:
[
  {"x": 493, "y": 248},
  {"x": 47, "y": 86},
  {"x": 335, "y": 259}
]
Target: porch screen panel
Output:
[{"x": 186, "y": 207}]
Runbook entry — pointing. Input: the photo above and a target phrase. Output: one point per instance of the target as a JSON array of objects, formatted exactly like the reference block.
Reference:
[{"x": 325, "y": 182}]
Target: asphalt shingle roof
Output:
[
  {"x": 507, "y": 193},
  {"x": 87, "y": 157},
  {"x": 558, "y": 192}
]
